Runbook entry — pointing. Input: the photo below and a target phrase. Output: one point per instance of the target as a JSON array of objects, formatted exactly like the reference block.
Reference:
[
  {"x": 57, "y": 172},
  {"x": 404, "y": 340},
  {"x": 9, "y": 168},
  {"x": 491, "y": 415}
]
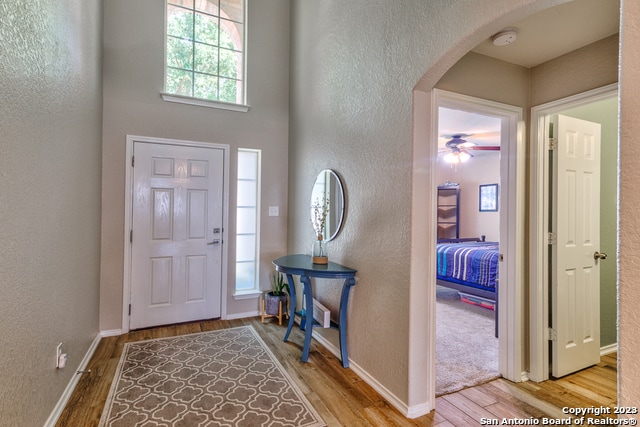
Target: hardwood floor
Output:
[{"x": 343, "y": 399}]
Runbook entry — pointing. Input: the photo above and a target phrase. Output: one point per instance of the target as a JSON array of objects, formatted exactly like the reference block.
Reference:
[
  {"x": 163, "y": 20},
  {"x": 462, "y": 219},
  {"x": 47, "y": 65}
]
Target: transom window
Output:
[{"x": 205, "y": 49}]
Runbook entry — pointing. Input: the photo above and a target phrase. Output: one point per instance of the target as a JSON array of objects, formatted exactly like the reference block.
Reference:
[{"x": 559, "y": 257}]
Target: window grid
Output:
[
  {"x": 247, "y": 225},
  {"x": 233, "y": 46}
]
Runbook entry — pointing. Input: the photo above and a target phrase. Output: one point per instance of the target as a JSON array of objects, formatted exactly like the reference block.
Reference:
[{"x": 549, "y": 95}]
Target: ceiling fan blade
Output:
[
  {"x": 455, "y": 135},
  {"x": 485, "y": 147},
  {"x": 472, "y": 134},
  {"x": 457, "y": 141}
]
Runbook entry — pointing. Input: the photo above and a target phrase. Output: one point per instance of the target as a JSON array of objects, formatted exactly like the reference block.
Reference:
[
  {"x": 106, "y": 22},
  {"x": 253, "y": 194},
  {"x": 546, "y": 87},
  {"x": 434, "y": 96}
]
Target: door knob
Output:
[
  {"x": 216, "y": 242},
  {"x": 599, "y": 255}
]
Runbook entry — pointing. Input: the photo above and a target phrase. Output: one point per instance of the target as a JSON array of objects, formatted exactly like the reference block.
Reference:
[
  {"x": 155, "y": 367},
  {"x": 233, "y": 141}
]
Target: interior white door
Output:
[
  {"x": 177, "y": 234},
  {"x": 575, "y": 221}
]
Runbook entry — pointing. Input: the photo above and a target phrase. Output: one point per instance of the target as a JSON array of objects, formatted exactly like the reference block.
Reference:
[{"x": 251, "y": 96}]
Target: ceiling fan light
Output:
[
  {"x": 452, "y": 158},
  {"x": 464, "y": 156}
]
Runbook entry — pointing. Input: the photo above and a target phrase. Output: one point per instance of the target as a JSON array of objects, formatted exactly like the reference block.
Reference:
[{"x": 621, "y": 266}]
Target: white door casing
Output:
[
  {"x": 176, "y": 207},
  {"x": 512, "y": 195},
  {"x": 539, "y": 251},
  {"x": 575, "y": 221}
]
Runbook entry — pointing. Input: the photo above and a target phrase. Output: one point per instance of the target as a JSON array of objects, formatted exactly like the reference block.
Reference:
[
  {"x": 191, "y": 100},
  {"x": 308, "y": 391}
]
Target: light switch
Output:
[{"x": 274, "y": 211}]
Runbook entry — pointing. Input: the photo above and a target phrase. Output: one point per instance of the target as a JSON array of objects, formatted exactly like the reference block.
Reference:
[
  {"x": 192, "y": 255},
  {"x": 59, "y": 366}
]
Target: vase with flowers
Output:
[{"x": 319, "y": 210}]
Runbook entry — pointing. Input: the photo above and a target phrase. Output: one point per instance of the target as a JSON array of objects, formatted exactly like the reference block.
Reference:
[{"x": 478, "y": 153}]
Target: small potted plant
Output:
[{"x": 275, "y": 301}]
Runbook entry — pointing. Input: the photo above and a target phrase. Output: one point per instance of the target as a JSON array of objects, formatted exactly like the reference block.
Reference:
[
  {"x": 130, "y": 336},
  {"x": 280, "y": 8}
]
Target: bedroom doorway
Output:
[{"x": 473, "y": 204}]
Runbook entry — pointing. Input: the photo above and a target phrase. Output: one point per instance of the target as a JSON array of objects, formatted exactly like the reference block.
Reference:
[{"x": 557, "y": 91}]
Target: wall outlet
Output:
[
  {"x": 58, "y": 354},
  {"x": 274, "y": 210}
]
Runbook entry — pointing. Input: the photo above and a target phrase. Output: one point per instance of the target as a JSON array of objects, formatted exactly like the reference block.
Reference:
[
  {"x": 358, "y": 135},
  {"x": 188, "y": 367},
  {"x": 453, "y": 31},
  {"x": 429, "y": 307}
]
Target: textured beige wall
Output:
[
  {"x": 133, "y": 80},
  {"x": 50, "y": 132},
  {"x": 593, "y": 66},
  {"x": 629, "y": 291},
  {"x": 351, "y": 88},
  {"x": 351, "y": 111},
  {"x": 475, "y": 75}
]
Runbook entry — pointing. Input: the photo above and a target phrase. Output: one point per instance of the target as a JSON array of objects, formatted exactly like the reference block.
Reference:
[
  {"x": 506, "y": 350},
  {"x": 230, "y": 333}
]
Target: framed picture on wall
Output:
[{"x": 489, "y": 198}]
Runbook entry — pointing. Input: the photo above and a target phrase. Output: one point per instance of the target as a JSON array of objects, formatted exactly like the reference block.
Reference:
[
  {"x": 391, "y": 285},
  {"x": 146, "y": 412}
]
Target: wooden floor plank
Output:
[
  {"x": 453, "y": 414},
  {"x": 527, "y": 393},
  {"x": 343, "y": 399},
  {"x": 467, "y": 406},
  {"x": 477, "y": 395},
  {"x": 500, "y": 410},
  {"x": 513, "y": 403}
]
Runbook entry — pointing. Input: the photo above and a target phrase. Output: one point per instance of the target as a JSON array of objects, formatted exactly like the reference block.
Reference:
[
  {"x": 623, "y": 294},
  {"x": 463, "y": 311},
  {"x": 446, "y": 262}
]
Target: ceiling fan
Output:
[{"x": 457, "y": 149}]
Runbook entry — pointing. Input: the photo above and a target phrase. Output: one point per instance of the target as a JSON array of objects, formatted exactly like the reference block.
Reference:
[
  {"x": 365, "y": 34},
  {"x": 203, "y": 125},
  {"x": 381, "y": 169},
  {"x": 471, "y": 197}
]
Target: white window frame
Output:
[
  {"x": 182, "y": 99},
  {"x": 255, "y": 290}
]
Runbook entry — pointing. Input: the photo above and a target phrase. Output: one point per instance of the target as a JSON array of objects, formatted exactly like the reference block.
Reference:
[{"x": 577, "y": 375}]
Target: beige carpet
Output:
[
  {"x": 226, "y": 377},
  {"x": 466, "y": 348}
]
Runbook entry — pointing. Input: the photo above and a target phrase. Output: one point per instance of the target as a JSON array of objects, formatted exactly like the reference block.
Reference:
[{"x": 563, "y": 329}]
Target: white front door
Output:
[
  {"x": 575, "y": 270},
  {"x": 177, "y": 222}
]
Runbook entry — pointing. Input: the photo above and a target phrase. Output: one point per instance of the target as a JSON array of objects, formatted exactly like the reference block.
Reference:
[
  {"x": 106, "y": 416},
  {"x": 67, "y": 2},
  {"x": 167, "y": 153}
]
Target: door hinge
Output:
[
  {"x": 133, "y": 161},
  {"x": 130, "y": 236},
  {"x": 551, "y": 239},
  {"x": 553, "y": 335},
  {"x": 553, "y": 144},
  {"x": 129, "y": 309}
]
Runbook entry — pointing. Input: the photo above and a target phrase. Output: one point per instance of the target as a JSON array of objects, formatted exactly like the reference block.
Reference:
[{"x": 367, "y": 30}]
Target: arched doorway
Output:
[{"x": 423, "y": 202}]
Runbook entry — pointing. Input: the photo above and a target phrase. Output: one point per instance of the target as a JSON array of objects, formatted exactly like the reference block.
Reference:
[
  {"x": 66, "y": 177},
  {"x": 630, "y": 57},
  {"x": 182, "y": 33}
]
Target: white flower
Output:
[{"x": 319, "y": 212}]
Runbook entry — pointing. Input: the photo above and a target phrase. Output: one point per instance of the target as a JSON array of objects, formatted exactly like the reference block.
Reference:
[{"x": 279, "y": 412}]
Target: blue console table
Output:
[{"x": 301, "y": 265}]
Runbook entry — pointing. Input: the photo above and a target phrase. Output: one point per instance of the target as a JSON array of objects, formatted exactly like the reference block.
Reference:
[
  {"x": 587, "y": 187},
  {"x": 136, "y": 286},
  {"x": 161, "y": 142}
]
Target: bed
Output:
[{"x": 469, "y": 266}]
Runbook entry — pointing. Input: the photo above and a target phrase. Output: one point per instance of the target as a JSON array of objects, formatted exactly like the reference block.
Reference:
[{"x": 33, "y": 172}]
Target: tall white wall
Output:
[
  {"x": 50, "y": 147},
  {"x": 133, "y": 81}
]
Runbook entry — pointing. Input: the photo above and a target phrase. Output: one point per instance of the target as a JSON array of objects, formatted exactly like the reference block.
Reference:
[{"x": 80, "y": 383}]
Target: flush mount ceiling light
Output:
[{"x": 505, "y": 37}]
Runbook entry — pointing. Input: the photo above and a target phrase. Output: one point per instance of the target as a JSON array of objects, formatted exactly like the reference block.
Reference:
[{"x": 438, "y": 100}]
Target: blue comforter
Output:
[{"x": 473, "y": 263}]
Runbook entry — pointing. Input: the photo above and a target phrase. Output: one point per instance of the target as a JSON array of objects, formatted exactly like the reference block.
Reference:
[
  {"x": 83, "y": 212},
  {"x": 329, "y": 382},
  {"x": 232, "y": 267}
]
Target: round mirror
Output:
[{"x": 327, "y": 204}]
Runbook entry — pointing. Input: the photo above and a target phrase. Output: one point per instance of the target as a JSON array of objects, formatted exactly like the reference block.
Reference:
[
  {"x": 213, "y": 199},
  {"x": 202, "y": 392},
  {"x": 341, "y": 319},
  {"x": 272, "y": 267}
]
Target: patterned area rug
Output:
[{"x": 225, "y": 377}]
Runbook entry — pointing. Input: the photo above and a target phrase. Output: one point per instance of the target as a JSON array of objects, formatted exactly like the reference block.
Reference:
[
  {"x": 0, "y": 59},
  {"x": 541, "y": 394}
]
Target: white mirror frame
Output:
[{"x": 328, "y": 185}]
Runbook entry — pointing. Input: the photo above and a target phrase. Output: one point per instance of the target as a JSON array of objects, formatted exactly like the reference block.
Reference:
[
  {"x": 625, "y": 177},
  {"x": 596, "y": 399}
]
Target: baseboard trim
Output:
[
  {"x": 111, "y": 333},
  {"x": 62, "y": 402},
  {"x": 243, "y": 315},
  {"x": 409, "y": 412},
  {"x": 608, "y": 349}
]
